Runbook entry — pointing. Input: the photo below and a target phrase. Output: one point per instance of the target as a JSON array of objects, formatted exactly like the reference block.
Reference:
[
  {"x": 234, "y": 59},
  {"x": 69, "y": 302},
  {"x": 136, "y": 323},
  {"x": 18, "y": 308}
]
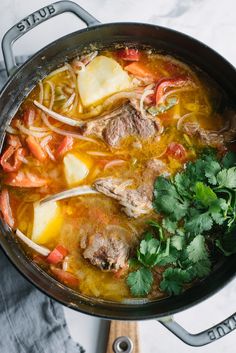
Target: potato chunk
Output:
[
  {"x": 102, "y": 77},
  {"x": 76, "y": 168},
  {"x": 47, "y": 222}
]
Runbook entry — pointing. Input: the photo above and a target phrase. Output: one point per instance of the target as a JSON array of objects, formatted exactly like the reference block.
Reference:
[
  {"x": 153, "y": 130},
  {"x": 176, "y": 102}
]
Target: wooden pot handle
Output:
[{"x": 126, "y": 329}]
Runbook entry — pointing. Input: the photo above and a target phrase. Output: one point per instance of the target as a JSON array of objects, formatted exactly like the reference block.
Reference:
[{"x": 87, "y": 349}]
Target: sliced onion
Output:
[
  {"x": 186, "y": 116},
  {"x": 65, "y": 132},
  {"x": 58, "y": 71},
  {"x": 45, "y": 141},
  {"x": 80, "y": 65},
  {"x": 114, "y": 163},
  {"x": 86, "y": 59},
  {"x": 120, "y": 95},
  {"x": 78, "y": 191},
  {"x": 38, "y": 248},
  {"x": 69, "y": 101},
  {"x": 11, "y": 130},
  {"x": 116, "y": 227},
  {"x": 49, "y": 153},
  {"x": 52, "y": 86},
  {"x": 23, "y": 159},
  {"x": 29, "y": 132},
  {"x": 177, "y": 90},
  {"x": 99, "y": 154},
  {"x": 63, "y": 119},
  {"x": 41, "y": 92},
  {"x": 39, "y": 129},
  {"x": 146, "y": 93}
]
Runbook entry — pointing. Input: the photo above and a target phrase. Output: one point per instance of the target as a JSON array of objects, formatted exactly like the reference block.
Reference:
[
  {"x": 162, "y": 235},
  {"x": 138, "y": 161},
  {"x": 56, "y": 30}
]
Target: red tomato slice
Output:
[
  {"x": 57, "y": 255},
  {"x": 129, "y": 54},
  {"x": 25, "y": 180},
  {"x": 176, "y": 151},
  {"x": 5, "y": 208},
  {"x": 169, "y": 82},
  {"x": 10, "y": 160},
  {"x": 65, "y": 146},
  {"x": 36, "y": 149},
  {"x": 65, "y": 277}
]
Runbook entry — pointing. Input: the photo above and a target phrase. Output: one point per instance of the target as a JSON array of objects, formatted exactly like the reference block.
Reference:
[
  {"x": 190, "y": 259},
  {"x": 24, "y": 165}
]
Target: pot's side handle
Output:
[
  {"x": 205, "y": 337},
  {"x": 34, "y": 19}
]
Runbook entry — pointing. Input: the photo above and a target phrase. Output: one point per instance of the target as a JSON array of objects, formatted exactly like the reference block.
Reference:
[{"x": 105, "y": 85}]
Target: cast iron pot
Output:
[{"x": 23, "y": 79}]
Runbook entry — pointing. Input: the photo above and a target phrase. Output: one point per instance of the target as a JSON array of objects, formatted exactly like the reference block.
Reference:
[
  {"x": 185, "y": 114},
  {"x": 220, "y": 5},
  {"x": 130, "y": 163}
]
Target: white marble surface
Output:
[{"x": 211, "y": 21}]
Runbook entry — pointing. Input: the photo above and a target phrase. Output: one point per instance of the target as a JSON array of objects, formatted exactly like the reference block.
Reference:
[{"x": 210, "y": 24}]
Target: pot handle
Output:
[
  {"x": 33, "y": 20},
  {"x": 205, "y": 337}
]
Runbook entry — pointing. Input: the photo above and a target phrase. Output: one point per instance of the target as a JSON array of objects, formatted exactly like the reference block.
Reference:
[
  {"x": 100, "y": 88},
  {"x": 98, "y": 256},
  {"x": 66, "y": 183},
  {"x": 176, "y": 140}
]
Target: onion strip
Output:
[
  {"x": 38, "y": 248},
  {"x": 11, "y": 130},
  {"x": 114, "y": 163},
  {"x": 29, "y": 132},
  {"x": 65, "y": 132},
  {"x": 58, "y": 71},
  {"x": 145, "y": 94},
  {"x": 78, "y": 191},
  {"x": 63, "y": 119}
]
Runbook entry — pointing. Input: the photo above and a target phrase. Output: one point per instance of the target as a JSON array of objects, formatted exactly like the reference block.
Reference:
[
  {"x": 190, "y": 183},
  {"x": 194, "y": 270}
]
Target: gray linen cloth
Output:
[{"x": 30, "y": 322}]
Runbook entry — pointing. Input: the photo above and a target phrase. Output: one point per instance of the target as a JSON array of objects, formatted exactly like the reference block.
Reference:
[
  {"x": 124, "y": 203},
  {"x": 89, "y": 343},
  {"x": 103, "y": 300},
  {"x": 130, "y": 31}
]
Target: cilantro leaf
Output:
[
  {"x": 196, "y": 250},
  {"x": 204, "y": 194},
  {"x": 140, "y": 282},
  {"x": 177, "y": 241},
  {"x": 161, "y": 108},
  {"x": 167, "y": 200},
  {"x": 227, "y": 178},
  {"x": 200, "y": 269},
  {"x": 169, "y": 225},
  {"x": 198, "y": 222},
  {"x": 173, "y": 280},
  {"x": 229, "y": 159},
  {"x": 217, "y": 209},
  {"x": 148, "y": 250}
]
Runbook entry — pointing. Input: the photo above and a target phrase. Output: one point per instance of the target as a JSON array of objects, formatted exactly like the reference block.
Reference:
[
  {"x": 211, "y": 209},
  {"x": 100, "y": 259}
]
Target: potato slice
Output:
[
  {"x": 76, "y": 168},
  {"x": 47, "y": 222},
  {"x": 102, "y": 77}
]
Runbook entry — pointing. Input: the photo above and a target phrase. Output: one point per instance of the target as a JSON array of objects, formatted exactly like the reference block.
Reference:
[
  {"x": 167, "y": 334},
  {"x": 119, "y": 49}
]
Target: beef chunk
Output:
[
  {"x": 107, "y": 253},
  {"x": 123, "y": 122},
  {"x": 135, "y": 202}
]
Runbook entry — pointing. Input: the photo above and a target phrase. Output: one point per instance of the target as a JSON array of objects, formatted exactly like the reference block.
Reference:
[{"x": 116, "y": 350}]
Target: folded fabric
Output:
[{"x": 30, "y": 322}]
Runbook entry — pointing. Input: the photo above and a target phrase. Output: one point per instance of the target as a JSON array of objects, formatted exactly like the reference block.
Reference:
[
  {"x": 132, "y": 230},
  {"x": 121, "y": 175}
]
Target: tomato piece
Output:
[
  {"x": 168, "y": 83},
  {"x": 139, "y": 69},
  {"x": 10, "y": 160},
  {"x": 25, "y": 180},
  {"x": 65, "y": 146},
  {"x": 129, "y": 54},
  {"x": 57, "y": 255},
  {"x": 5, "y": 208},
  {"x": 36, "y": 149},
  {"x": 65, "y": 277},
  {"x": 176, "y": 151}
]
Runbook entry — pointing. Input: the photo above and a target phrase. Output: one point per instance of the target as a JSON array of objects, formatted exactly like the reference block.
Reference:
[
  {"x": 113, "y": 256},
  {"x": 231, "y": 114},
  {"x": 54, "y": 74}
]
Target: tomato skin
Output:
[
  {"x": 14, "y": 154},
  {"x": 24, "y": 180},
  {"x": 5, "y": 208},
  {"x": 169, "y": 82},
  {"x": 65, "y": 277},
  {"x": 57, "y": 255},
  {"x": 65, "y": 146},
  {"x": 129, "y": 54},
  {"x": 176, "y": 151},
  {"x": 36, "y": 149}
]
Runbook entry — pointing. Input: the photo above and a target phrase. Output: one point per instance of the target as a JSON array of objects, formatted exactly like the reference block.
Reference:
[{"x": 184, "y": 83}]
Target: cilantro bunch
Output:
[{"x": 198, "y": 206}]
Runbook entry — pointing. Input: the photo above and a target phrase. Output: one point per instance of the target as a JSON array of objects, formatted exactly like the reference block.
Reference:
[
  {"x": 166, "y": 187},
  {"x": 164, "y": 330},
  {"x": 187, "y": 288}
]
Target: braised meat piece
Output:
[
  {"x": 124, "y": 121},
  {"x": 107, "y": 253},
  {"x": 135, "y": 202}
]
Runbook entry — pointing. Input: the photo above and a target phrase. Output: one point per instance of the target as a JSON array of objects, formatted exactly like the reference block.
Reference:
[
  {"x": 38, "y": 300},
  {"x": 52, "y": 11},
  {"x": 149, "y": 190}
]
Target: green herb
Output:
[
  {"x": 200, "y": 198},
  {"x": 161, "y": 108},
  {"x": 140, "y": 281}
]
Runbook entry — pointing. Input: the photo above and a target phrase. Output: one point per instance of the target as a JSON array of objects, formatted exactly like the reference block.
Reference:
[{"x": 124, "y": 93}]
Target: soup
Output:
[{"x": 118, "y": 175}]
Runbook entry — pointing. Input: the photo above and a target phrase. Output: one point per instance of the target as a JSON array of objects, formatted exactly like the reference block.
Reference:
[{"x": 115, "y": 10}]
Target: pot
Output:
[{"x": 23, "y": 79}]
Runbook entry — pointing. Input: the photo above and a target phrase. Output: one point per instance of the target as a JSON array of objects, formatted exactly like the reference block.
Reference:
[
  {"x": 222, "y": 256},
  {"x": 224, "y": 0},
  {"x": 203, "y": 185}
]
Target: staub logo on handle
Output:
[
  {"x": 36, "y": 17},
  {"x": 223, "y": 328}
]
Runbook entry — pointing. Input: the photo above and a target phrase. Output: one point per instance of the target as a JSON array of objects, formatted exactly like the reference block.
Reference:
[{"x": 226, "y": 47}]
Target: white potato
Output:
[
  {"x": 75, "y": 168},
  {"x": 102, "y": 77},
  {"x": 47, "y": 222}
]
